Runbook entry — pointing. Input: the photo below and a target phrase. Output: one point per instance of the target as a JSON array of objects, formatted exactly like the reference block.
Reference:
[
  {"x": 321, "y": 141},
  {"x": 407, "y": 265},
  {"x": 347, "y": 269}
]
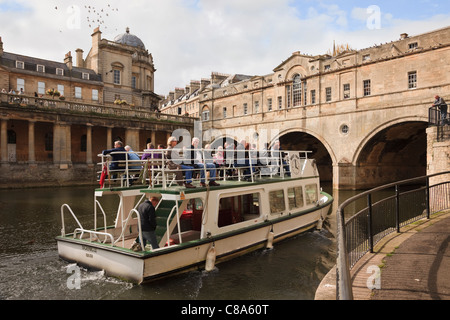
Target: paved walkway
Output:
[{"x": 413, "y": 265}]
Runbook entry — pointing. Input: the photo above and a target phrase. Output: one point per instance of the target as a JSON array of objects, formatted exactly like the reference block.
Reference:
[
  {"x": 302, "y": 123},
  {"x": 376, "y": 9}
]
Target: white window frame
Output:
[
  {"x": 20, "y": 84},
  {"x": 41, "y": 87},
  {"x": 61, "y": 89},
  {"x": 78, "y": 93},
  {"x": 116, "y": 77},
  {"x": 59, "y": 71},
  {"x": 94, "y": 95},
  {"x": 40, "y": 68},
  {"x": 20, "y": 65}
]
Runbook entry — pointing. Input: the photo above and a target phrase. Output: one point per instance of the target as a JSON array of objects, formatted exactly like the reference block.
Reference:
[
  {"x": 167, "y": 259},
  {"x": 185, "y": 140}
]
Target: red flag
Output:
[{"x": 103, "y": 176}]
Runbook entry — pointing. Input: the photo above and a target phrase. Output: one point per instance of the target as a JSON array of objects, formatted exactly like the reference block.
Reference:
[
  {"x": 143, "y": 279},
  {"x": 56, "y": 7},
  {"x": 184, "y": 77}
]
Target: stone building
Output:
[
  {"x": 57, "y": 116},
  {"x": 364, "y": 113}
]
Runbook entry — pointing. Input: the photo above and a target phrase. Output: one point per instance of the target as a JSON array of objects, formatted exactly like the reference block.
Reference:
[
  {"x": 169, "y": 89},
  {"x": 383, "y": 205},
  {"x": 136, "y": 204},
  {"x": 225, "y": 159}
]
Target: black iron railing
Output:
[
  {"x": 379, "y": 212},
  {"x": 435, "y": 118}
]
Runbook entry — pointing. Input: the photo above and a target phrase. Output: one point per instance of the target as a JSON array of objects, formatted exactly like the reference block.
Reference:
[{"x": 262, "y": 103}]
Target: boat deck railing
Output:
[{"x": 151, "y": 166}]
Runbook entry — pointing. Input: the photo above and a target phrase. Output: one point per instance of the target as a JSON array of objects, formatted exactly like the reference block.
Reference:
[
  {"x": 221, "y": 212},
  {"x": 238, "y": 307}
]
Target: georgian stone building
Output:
[
  {"x": 106, "y": 95},
  {"x": 364, "y": 113}
]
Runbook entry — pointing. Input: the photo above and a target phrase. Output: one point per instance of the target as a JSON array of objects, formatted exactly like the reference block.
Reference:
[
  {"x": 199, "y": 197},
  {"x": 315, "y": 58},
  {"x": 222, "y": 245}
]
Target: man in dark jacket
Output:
[
  {"x": 116, "y": 158},
  {"x": 147, "y": 216}
]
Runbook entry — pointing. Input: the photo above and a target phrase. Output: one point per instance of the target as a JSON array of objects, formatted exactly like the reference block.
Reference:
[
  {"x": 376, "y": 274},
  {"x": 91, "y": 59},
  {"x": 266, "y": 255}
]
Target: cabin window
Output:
[
  {"x": 295, "y": 197},
  {"x": 238, "y": 208},
  {"x": 311, "y": 194},
  {"x": 276, "y": 200}
]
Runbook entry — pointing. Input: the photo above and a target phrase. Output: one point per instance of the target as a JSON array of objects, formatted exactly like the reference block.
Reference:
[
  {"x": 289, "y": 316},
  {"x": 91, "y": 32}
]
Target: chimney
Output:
[
  {"x": 80, "y": 62},
  {"x": 96, "y": 36},
  {"x": 171, "y": 96},
  {"x": 204, "y": 83},
  {"x": 1, "y": 47},
  {"x": 195, "y": 85},
  {"x": 178, "y": 92},
  {"x": 68, "y": 60},
  {"x": 403, "y": 36}
]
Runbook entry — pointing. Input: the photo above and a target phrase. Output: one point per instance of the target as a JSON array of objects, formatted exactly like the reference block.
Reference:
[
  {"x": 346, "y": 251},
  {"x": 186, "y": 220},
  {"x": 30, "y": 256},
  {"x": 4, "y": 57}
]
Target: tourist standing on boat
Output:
[
  {"x": 196, "y": 159},
  {"x": 116, "y": 158},
  {"x": 147, "y": 215},
  {"x": 178, "y": 167}
]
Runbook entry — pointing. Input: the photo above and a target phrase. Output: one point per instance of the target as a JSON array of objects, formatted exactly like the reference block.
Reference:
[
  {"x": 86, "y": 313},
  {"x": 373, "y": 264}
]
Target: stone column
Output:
[
  {"x": 89, "y": 144},
  {"x": 132, "y": 138},
  {"x": 108, "y": 138},
  {"x": 154, "y": 139},
  {"x": 62, "y": 145},
  {"x": 4, "y": 141},
  {"x": 31, "y": 143}
]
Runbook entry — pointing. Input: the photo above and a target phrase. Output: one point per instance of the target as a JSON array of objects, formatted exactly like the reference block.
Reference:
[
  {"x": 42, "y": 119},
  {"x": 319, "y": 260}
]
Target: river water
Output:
[{"x": 30, "y": 268}]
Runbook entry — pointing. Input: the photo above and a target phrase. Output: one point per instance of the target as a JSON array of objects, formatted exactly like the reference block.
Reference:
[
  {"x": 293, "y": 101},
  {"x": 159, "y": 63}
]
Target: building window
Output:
[
  {"x": 346, "y": 91},
  {"x": 305, "y": 87},
  {"x": 205, "y": 115},
  {"x": 280, "y": 103},
  {"x": 413, "y": 45},
  {"x": 85, "y": 76},
  {"x": 94, "y": 94},
  {"x": 412, "y": 79},
  {"x": 133, "y": 82},
  {"x": 20, "y": 65},
  {"x": 256, "y": 107},
  {"x": 59, "y": 71},
  {"x": 20, "y": 84},
  {"x": 245, "y": 109},
  {"x": 297, "y": 91},
  {"x": 40, "y": 68},
  {"x": 41, "y": 87},
  {"x": 288, "y": 96},
  {"x": 269, "y": 104},
  {"x": 83, "y": 143},
  {"x": 366, "y": 86},
  {"x": 61, "y": 89},
  {"x": 49, "y": 141},
  {"x": 313, "y": 96},
  {"x": 327, "y": 67},
  {"x": 78, "y": 92},
  {"x": 328, "y": 94},
  {"x": 366, "y": 57},
  {"x": 224, "y": 112},
  {"x": 116, "y": 76}
]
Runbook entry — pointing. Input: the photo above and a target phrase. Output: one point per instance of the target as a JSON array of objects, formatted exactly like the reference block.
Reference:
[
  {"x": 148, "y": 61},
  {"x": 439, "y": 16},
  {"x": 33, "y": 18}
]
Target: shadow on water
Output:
[{"x": 31, "y": 269}]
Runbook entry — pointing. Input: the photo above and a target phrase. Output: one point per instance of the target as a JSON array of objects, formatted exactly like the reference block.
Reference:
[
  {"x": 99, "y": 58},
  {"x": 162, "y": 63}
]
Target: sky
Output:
[{"x": 189, "y": 39}]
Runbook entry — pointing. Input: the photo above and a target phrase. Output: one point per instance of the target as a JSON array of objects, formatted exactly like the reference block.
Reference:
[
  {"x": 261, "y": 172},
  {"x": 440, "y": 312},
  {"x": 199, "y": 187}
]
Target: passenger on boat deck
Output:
[
  {"x": 147, "y": 216},
  {"x": 116, "y": 158},
  {"x": 150, "y": 154},
  {"x": 135, "y": 160},
  {"x": 175, "y": 164},
  {"x": 196, "y": 159},
  {"x": 277, "y": 154}
]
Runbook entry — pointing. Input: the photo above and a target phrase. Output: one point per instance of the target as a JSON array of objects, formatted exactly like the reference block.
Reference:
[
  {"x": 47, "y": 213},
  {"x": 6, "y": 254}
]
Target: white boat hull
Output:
[{"x": 139, "y": 267}]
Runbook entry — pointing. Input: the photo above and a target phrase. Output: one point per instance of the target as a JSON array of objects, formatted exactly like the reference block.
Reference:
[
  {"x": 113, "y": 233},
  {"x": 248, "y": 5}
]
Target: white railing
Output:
[{"x": 235, "y": 164}]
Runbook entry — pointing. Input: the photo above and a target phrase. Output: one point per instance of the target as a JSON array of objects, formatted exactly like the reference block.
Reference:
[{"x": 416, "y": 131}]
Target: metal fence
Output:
[{"x": 379, "y": 212}]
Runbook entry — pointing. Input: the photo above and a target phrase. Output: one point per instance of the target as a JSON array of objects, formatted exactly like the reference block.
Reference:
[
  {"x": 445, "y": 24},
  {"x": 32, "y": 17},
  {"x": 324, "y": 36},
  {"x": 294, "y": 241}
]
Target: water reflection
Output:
[{"x": 30, "y": 268}]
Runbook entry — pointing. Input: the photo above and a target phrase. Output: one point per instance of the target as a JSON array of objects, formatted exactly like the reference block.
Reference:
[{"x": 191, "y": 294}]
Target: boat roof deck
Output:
[{"x": 224, "y": 184}]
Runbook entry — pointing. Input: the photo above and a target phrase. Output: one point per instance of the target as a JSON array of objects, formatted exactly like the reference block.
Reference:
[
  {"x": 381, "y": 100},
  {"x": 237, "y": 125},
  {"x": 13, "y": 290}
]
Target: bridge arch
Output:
[{"x": 395, "y": 150}]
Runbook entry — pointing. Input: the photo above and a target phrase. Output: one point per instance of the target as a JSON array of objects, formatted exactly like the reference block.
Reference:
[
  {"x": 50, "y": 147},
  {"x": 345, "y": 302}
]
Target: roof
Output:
[
  {"x": 30, "y": 64},
  {"x": 129, "y": 39}
]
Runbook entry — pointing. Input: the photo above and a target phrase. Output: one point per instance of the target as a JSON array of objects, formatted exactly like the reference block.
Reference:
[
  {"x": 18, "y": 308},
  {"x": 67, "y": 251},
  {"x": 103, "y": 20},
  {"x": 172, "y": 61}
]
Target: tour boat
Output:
[{"x": 196, "y": 227}]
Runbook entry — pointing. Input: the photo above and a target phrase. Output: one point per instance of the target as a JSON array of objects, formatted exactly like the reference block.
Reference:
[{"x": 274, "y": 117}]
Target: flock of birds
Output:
[{"x": 96, "y": 16}]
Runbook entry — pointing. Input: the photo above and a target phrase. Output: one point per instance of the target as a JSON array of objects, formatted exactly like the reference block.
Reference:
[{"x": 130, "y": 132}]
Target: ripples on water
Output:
[{"x": 30, "y": 268}]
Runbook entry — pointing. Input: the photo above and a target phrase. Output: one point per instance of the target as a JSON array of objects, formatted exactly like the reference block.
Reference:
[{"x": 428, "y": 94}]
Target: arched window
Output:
[{"x": 297, "y": 91}]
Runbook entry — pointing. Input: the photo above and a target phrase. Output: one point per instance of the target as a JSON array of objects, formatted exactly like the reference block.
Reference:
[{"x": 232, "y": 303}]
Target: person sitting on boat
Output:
[
  {"x": 147, "y": 216},
  {"x": 135, "y": 160},
  {"x": 117, "y": 156},
  {"x": 178, "y": 167},
  {"x": 196, "y": 159}
]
